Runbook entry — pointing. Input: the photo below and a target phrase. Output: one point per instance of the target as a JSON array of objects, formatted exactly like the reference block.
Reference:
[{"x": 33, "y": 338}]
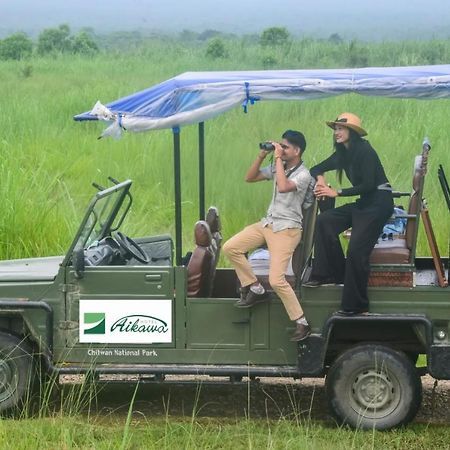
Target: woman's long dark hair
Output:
[{"x": 355, "y": 140}]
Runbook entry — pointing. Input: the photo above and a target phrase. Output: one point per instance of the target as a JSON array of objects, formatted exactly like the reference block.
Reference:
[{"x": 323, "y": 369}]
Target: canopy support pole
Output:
[
  {"x": 177, "y": 192},
  {"x": 201, "y": 170}
]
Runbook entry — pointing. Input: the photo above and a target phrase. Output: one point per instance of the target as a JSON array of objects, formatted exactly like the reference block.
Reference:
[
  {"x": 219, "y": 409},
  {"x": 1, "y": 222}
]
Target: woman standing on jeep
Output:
[{"x": 367, "y": 215}]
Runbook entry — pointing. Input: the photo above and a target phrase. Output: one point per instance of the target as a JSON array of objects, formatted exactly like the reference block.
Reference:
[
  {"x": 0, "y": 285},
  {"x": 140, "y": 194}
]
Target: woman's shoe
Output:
[{"x": 316, "y": 282}]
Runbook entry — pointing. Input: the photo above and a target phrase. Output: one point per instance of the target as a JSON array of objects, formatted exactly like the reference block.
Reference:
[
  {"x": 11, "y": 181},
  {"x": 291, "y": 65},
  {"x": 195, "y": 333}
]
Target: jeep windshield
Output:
[{"x": 105, "y": 214}]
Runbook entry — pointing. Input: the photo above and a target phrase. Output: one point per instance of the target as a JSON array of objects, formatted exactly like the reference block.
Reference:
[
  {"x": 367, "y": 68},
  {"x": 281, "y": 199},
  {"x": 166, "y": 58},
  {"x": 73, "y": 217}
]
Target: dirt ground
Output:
[{"x": 268, "y": 398}]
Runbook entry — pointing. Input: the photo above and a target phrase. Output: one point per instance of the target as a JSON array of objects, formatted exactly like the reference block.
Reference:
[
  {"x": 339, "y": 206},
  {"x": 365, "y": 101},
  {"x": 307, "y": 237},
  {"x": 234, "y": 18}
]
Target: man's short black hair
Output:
[{"x": 295, "y": 138}]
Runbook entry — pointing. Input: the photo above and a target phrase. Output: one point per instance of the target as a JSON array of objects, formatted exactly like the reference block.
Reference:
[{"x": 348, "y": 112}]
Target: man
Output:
[{"x": 280, "y": 229}]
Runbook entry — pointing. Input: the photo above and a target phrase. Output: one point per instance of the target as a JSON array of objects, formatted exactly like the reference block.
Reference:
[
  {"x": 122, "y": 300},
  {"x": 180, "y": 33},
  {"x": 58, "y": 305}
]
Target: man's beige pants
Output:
[{"x": 281, "y": 246}]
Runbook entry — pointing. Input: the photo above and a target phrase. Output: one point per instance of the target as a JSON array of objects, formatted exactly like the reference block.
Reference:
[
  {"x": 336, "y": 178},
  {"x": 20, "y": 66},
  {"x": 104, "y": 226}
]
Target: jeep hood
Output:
[{"x": 30, "y": 269}]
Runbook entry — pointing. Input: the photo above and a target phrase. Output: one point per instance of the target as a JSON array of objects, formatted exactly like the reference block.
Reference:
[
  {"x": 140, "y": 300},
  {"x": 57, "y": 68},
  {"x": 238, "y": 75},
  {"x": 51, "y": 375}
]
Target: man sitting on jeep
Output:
[{"x": 280, "y": 229}]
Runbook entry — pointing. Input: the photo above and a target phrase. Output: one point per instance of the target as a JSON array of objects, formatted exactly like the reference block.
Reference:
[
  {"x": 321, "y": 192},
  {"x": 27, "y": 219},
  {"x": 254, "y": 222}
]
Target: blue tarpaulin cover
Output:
[{"x": 194, "y": 97}]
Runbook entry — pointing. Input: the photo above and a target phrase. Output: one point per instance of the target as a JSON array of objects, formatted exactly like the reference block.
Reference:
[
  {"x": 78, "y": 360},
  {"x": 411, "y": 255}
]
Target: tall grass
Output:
[
  {"x": 157, "y": 433},
  {"x": 48, "y": 161},
  {"x": 143, "y": 432},
  {"x": 69, "y": 418}
]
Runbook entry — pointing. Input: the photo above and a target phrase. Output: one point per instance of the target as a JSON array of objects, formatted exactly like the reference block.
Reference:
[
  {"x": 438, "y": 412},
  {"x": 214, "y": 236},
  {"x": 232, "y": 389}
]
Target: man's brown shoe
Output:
[
  {"x": 252, "y": 299},
  {"x": 301, "y": 332}
]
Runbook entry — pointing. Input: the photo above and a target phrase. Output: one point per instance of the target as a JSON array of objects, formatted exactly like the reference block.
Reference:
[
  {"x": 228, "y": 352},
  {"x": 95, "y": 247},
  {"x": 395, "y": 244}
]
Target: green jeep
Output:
[{"x": 116, "y": 305}]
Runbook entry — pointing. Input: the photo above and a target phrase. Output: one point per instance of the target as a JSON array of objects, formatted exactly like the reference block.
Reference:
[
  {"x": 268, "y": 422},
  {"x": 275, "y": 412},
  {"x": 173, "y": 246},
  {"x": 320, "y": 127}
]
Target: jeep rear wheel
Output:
[
  {"x": 373, "y": 387},
  {"x": 15, "y": 371}
]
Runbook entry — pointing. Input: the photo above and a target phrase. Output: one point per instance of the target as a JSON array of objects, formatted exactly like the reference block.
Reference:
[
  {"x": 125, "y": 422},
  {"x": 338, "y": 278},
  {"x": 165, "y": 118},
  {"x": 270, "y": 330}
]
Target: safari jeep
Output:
[
  {"x": 116, "y": 305},
  {"x": 120, "y": 305}
]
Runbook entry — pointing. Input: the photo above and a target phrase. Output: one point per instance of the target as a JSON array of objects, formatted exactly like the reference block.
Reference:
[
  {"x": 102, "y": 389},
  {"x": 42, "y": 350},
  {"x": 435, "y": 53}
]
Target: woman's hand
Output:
[
  {"x": 324, "y": 191},
  {"x": 321, "y": 181}
]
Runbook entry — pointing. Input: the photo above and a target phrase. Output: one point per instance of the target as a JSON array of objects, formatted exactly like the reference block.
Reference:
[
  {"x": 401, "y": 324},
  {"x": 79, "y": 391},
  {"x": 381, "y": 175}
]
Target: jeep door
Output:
[{"x": 121, "y": 305}]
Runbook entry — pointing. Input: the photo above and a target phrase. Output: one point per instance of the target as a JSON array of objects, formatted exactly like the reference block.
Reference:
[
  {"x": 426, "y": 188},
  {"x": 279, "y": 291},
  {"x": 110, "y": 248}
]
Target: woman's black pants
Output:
[{"x": 367, "y": 222}]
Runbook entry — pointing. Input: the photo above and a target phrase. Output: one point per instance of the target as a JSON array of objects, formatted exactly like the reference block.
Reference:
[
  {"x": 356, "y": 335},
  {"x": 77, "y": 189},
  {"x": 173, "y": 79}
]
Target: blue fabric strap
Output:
[
  {"x": 248, "y": 98},
  {"x": 119, "y": 120}
]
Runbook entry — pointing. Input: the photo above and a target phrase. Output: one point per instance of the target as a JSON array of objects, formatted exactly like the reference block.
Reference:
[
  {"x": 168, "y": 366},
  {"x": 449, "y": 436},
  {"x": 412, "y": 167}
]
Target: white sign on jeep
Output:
[{"x": 125, "y": 321}]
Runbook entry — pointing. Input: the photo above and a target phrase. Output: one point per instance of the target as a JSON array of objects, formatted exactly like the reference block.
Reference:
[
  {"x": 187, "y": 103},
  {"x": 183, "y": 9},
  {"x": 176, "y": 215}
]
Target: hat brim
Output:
[{"x": 359, "y": 130}]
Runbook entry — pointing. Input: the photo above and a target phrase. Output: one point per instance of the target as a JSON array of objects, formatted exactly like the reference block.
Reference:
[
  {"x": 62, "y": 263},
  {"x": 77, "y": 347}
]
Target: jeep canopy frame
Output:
[{"x": 194, "y": 97}]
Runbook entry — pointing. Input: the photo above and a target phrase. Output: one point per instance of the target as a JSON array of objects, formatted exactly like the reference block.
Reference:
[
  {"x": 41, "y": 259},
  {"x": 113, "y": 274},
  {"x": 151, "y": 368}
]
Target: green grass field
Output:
[
  {"x": 175, "y": 433},
  {"x": 48, "y": 160},
  {"x": 73, "y": 416},
  {"x": 48, "y": 163}
]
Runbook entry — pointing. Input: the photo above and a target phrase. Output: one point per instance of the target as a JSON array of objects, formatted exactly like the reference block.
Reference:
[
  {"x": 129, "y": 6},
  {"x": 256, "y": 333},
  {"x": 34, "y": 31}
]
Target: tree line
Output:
[
  {"x": 274, "y": 47},
  {"x": 19, "y": 46},
  {"x": 51, "y": 40}
]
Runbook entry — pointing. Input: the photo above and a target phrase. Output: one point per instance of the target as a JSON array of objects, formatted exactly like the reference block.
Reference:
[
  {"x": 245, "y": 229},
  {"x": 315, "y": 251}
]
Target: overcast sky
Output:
[{"x": 351, "y": 18}]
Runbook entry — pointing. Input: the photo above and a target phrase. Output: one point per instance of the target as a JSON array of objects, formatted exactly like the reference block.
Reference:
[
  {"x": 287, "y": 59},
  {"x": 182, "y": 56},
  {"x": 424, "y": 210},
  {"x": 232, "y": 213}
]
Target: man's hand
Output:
[
  {"x": 278, "y": 152},
  {"x": 262, "y": 154},
  {"x": 254, "y": 173}
]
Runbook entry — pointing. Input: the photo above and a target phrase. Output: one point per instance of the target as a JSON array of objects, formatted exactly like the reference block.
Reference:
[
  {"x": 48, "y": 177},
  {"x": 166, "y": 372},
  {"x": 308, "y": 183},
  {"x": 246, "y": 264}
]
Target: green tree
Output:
[
  {"x": 335, "y": 38},
  {"x": 269, "y": 61},
  {"x": 433, "y": 53},
  {"x": 188, "y": 36},
  {"x": 208, "y": 34},
  {"x": 216, "y": 49},
  {"x": 84, "y": 44},
  {"x": 53, "y": 40},
  {"x": 274, "y": 36},
  {"x": 357, "y": 55},
  {"x": 17, "y": 46}
]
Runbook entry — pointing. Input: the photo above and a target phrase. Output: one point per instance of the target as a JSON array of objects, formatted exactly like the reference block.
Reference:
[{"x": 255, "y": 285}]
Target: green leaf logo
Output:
[{"x": 94, "y": 323}]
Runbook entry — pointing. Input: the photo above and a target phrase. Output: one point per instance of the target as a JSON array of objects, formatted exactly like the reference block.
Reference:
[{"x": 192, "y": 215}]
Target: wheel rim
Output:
[
  {"x": 8, "y": 379},
  {"x": 374, "y": 393}
]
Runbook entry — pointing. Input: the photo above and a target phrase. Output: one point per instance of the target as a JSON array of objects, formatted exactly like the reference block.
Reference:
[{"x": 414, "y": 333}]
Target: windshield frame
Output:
[{"x": 87, "y": 226}]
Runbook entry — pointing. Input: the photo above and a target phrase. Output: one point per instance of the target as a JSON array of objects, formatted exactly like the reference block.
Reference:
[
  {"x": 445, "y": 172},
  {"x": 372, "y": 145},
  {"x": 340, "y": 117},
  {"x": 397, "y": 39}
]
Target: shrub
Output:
[
  {"x": 188, "y": 36},
  {"x": 274, "y": 36},
  {"x": 26, "y": 71},
  {"x": 269, "y": 61},
  {"x": 52, "y": 40},
  {"x": 357, "y": 55},
  {"x": 216, "y": 49},
  {"x": 335, "y": 38},
  {"x": 17, "y": 46},
  {"x": 83, "y": 43},
  {"x": 208, "y": 34}
]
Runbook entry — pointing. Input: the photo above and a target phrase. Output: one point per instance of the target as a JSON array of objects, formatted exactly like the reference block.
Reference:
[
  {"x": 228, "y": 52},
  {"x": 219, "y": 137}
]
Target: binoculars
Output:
[{"x": 267, "y": 146}]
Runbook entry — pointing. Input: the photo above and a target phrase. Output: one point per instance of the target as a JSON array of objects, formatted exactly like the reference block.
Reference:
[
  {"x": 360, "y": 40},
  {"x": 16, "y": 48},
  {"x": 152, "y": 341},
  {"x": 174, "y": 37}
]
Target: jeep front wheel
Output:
[
  {"x": 373, "y": 387},
  {"x": 15, "y": 371}
]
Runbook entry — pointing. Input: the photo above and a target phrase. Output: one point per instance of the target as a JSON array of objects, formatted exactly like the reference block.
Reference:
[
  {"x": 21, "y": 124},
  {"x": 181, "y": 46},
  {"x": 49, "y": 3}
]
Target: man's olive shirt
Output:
[{"x": 286, "y": 208}]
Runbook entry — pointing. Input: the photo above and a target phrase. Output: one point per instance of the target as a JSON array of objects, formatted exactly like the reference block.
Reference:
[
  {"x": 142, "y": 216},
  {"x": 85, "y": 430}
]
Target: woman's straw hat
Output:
[{"x": 349, "y": 120}]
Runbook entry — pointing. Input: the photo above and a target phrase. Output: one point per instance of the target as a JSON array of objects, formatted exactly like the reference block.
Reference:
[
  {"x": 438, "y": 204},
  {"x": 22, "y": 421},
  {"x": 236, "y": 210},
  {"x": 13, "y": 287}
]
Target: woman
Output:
[{"x": 367, "y": 216}]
